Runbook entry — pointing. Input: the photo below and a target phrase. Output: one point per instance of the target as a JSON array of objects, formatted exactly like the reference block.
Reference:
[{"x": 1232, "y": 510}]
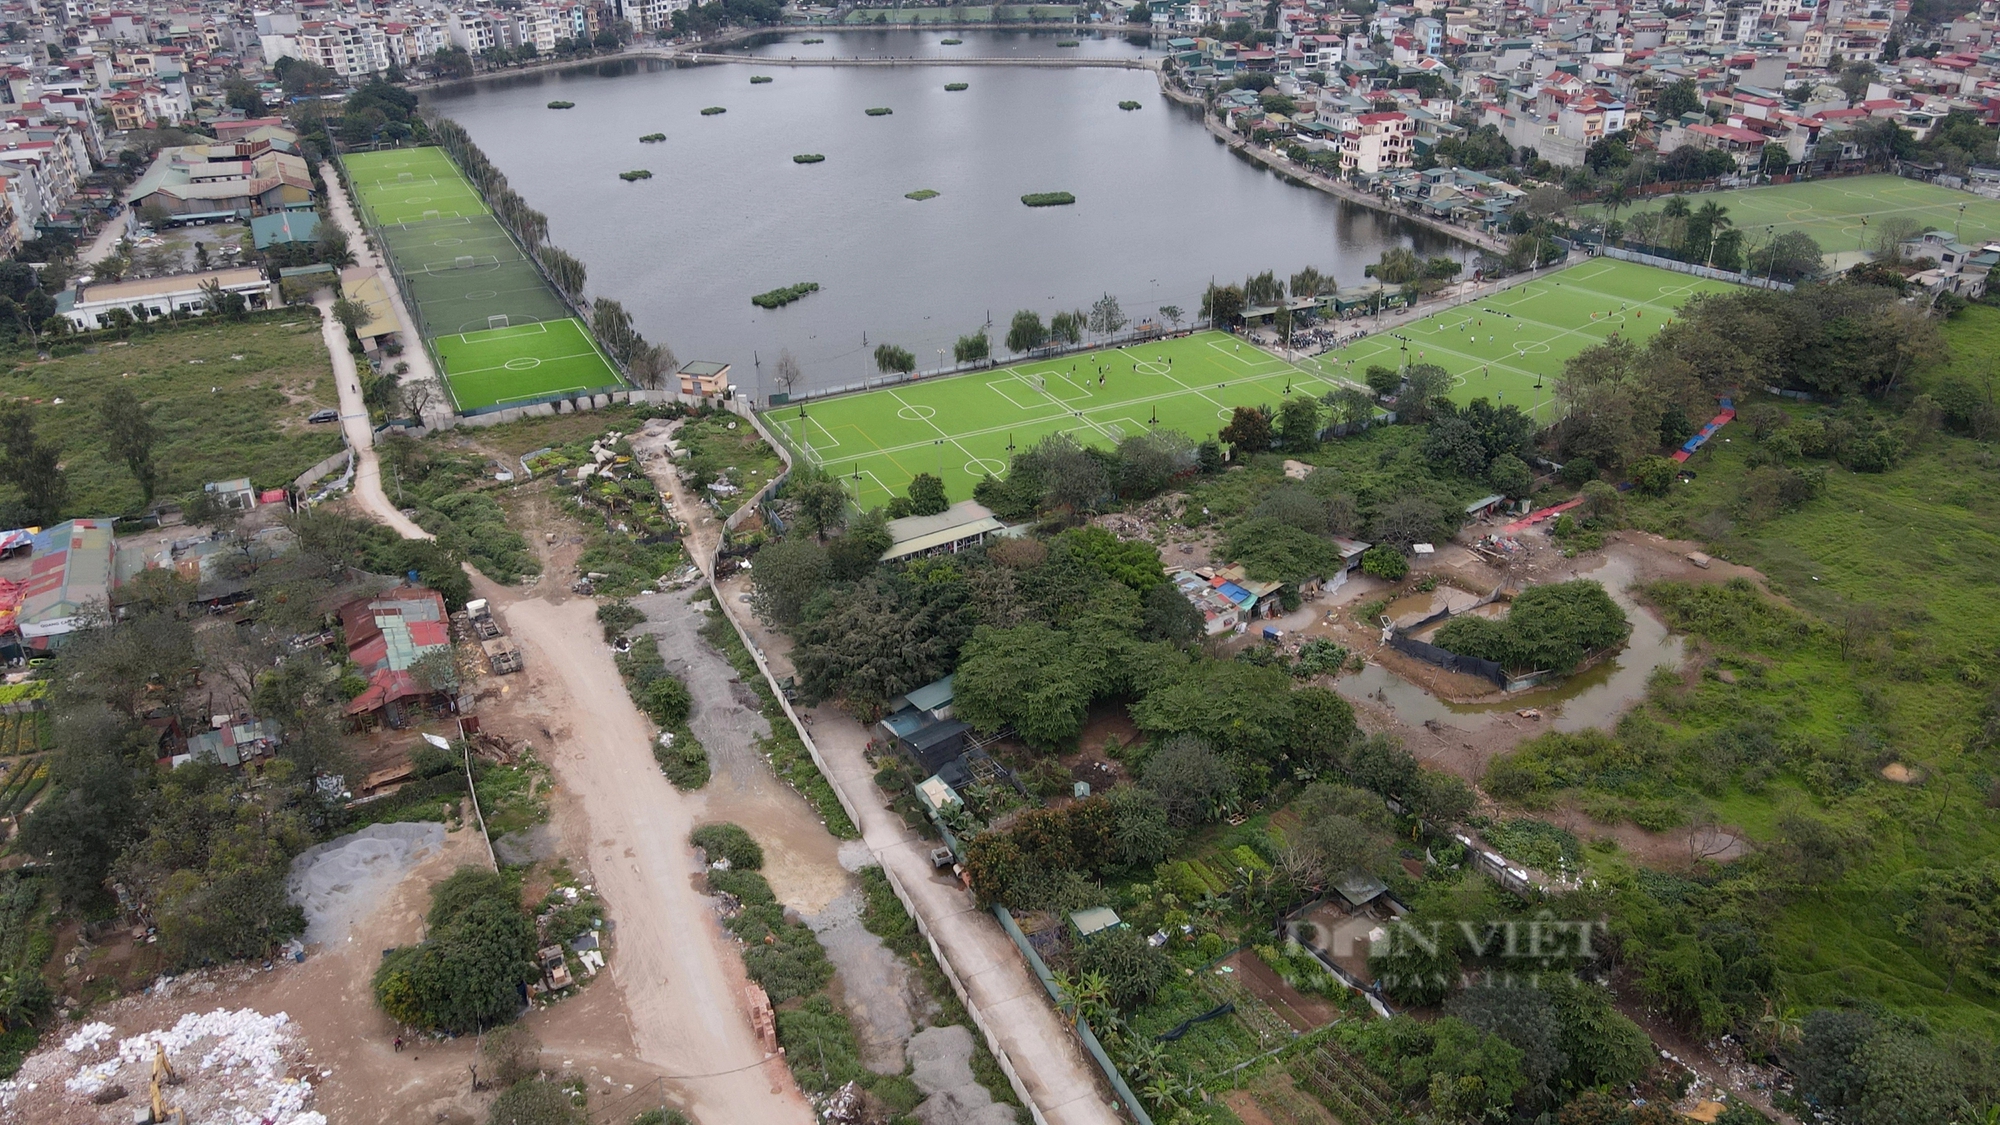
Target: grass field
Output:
[
  {"x": 226, "y": 400},
  {"x": 1832, "y": 211},
  {"x": 475, "y": 293},
  {"x": 964, "y": 426},
  {"x": 524, "y": 362}
]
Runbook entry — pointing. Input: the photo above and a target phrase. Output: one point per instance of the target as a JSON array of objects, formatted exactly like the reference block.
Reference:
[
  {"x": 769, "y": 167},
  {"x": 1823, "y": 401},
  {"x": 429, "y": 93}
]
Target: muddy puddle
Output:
[{"x": 1594, "y": 697}]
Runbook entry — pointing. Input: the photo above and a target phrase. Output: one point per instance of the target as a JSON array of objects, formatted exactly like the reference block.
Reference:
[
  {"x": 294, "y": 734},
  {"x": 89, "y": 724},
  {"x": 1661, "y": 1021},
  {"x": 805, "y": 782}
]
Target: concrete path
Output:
[
  {"x": 106, "y": 241},
  {"x": 414, "y": 352},
  {"x": 354, "y": 423}
]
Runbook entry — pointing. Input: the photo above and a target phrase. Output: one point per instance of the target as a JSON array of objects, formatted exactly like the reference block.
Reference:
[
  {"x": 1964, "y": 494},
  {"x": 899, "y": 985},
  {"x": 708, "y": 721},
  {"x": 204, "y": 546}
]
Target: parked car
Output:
[{"x": 319, "y": 416}]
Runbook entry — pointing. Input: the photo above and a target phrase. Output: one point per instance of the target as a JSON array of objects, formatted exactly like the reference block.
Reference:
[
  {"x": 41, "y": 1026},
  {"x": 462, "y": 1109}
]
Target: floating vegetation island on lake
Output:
[
  {"x": 812, "y": 40},
  {"x": 1068, "y": 43},
  {"x": 951, "y": 42},
  {"x": 920, "y": 194},
  {"x": 780, "y": 297},
  {"x": 1128, "y": 105},
  {"x": 880, "y": 111},
  {"x": 1048, "y": 198},
  {"x": 759, "y": 79},
  {"x": 635, "y": 174},
  {"x": 562, "y": 105},
  {"x": 652, "y": 138},
  {"x": 955, "y": 87},
  {"x": 808, "y": 158},
  {"x": 711, "y": 111}
]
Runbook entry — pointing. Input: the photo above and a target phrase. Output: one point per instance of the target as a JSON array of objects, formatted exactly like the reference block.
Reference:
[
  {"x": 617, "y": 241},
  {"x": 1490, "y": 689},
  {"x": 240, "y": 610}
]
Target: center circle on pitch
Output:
[
  {"x": 522, "y": 363},
  {"x": 984, "y": 465},
  {"x": 449, "y": 241},
  {"x": 1150, "y": 367},
  {"x": 482, "y": 294},
  {"x": 919, "y": 414},
  {"x": 418, "y": 199}
]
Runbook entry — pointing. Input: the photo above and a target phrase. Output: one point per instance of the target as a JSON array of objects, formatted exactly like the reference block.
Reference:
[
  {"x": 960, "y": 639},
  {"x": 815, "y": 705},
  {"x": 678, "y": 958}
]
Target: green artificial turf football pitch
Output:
[
  {"x": 1841, "y": 214},
  {"x": 522, "y": 363},
  {"x": 501, "y": 334},
  {"x": 962, "y": 427}
]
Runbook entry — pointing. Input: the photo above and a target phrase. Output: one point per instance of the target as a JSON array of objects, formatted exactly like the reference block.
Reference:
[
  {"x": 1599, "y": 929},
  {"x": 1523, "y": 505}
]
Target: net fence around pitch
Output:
[{"x": 465, "y": 298}]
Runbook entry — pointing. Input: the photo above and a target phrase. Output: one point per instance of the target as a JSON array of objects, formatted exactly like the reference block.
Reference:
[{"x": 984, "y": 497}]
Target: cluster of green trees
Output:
[
  {"x": 1059, "y": 475},
  {"x": 705, "y": 19},
  {"x": 477, "y": 957},
  {"x": 1622, "y": 401},
  {"x": 1027, "y": 332},
  {"x": 1553, "y": 628},
  {"x": 205, "y": 849}
]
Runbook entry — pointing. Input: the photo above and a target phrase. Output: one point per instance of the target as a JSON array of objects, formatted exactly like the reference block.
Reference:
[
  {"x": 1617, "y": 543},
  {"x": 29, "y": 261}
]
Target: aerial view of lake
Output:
[{"x": 1161, "y": 208}]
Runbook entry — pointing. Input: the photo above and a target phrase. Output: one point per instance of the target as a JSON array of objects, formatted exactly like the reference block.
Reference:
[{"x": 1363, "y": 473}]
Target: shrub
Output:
[
  {"x": 808, "y": 158},
  {"x": 711, "y": 111},
  {"x": 1048, "y": 198},
  {"x": 1128, "y": 105},
  {"x": 730, "y": 842},
  {"x": 955, "y": 87},
  {"x": 562, "y": 105},
  {"x": 777, "y": 298},
  {"x": 652, "y": 138},
  {"x": 668, "y": 701},
  {"x": 879, "y": 111},
  {"x": 635, "y": 174},
  {"x": 685, "y": 762},
  {"x": 617, "y": 617},
  {"x": 759, "y": 79},
  {"x": 920, "y": 194},
  {"x": 1384, "y": 562},
  {"x": 1653, "y": 476}
]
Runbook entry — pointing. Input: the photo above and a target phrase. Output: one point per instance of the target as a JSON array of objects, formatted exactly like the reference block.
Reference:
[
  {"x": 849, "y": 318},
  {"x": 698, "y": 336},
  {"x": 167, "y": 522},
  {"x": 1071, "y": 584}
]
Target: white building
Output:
[
  {"x": 1377, "y": 142},
  {"x": 89, "y": 307}
]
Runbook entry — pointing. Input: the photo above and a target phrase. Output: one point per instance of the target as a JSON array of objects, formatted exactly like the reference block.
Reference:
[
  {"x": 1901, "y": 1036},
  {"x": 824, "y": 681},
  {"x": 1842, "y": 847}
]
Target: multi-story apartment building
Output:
[{"x": 1377, "y": 142}]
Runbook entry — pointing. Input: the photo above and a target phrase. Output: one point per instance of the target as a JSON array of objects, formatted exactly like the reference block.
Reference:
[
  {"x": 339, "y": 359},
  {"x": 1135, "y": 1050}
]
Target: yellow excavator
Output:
[{"x": 157, "y": 1112}]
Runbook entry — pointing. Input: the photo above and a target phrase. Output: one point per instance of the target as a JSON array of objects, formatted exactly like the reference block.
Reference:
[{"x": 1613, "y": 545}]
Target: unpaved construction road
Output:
[{"x": 684, "y": 989}]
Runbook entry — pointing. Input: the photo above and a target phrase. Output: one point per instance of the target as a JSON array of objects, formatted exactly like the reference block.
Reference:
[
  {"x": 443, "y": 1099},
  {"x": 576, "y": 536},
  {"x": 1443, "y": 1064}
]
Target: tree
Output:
[
  {"x": 1149, "y": 462},
  {"x": 1249, "y": 429},
  {"x": 1510, "y": 476},
  {"x": 1264, "y": 289},
  {"x": 1792, "y": 256},
  {"x": 612, "y": 326},
  {"x": 1398, "y": 265},
  {"x": 512, "y": 1053},
  {"x": 1026, "y": 333},
  {"x": 926, "y": 493},
  {"x": 1854, "y": 79},
  {"x": 1106, "y": 317},
  {"x": 241, "y": 95},
  {"x": 889, "y": 357},
  {"x": 1172, "y": 315},
  {"x": 1409, "y": 519},
  {"x": 786, "y": 372},
  {"x": 822, "y": 505},
  {"x": 1298, "y": 424},
  {"x": 1680, "y": 98},
  {"x": 1385, "y": 562},
  {"x": 1423, "y": 384},
  {"x": 1034, "y": 678},
  {"x": 970, "y": 349},
  {"x": 1066, "y": 327},
  {"x": 1193, "y": 784},
  {"x": 1222, "y": 305},
  {"x": 32, "y": 466},
  {"x": 1309, "y": 283},
  {"x": 464, "y": 976},
  {"x": 788, "y": 573},
  {"x": 1384, "y": 381},
  {"x": 1167, "y": 615},
  {"x": 331, "y": 247},
  {"x": 130, "y": 435}
]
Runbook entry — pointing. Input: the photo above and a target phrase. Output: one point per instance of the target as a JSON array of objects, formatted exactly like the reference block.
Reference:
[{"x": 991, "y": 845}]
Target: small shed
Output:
[
  {"x": 236, "y": 494},
  {"x": 1358, "y": 888},
  {"x": 1485, "y": 506},
  {"x": 1094, "y": 921}
]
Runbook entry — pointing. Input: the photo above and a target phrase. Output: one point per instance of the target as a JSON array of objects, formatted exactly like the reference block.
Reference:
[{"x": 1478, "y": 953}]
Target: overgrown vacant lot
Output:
[
  {"x": 1891, "y": 663},
  {"x": 227, "y": 400}
]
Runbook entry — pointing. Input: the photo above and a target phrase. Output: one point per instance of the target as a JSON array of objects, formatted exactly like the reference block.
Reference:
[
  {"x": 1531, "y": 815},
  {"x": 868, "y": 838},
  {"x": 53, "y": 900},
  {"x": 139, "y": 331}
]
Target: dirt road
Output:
[{"x": 683, "y": 987}]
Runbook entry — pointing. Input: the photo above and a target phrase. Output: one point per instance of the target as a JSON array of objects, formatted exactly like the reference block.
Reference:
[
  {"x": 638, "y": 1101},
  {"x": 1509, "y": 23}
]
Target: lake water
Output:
[{"x": 1161, "y": 207}]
